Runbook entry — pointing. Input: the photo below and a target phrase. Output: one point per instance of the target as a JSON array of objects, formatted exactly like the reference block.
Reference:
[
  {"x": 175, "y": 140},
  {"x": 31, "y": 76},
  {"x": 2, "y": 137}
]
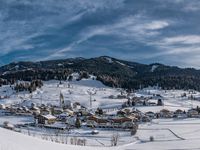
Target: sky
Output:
[{"x": 145, "y": 31}]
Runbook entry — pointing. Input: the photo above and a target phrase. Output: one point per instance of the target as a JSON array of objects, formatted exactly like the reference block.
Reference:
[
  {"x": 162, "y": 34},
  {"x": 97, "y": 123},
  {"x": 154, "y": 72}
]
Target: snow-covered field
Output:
[
  {"x": 75, "y": 91},
  {"x": 164, "y": 139},
  {"x": 10, "y": 140},
  {"x": 167, "y": 133},
  {"x": 172, "y": 100}
]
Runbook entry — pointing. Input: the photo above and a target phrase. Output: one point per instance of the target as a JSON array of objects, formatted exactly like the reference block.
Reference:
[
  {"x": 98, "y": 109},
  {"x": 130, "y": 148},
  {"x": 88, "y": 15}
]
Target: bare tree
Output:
[
  {"x": 151, "y": 138},
  {"x": 114, "y": 139}
]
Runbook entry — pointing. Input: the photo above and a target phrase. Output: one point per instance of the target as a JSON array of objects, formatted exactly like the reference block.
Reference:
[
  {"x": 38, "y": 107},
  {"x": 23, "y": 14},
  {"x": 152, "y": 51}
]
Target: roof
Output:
[
  {"x": 192, "y": 111},
  {"x": 149, "y": 112},
  {"x": 165, "y": 111},
  {"x": 121, "y": 120},
  {"x": 179, "y": 111},
  {"x": 49, "y": 116},
  {"x": 98, "y": 120}
]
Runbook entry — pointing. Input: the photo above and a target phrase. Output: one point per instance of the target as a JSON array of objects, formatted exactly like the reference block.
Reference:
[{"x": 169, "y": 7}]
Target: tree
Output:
[
  {"x": 78, "y": 123},
  {"x": 99, "y": 111},
  {"x": 61, "y": 99},
  {"x": 84, "y": 75},
  {"x": 129, "y": 102},
  {"x": 160, "y": 103},
  {"x": 70, "y": 78},
  {"x": 133, "y": 103},
  {"x": 151, "y": 138},
  {"x": 114, "y": 139},
  {"x": 144, "y": 103},
  {"x": 134, "y": 129}
]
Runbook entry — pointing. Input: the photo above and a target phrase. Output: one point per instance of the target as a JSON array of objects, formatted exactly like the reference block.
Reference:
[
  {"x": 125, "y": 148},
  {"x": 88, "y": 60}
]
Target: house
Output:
[
  {"x": 57, "y": 111},
  {"x": 121, "y": 113},
  {"x": 76, "y": 106},
  {"x": 71, "y": 120},
  {"x": 18, "y": 110},
  {"x": 165, "y": 113},
  {"x": 68, "y": 111},
  {"x": 35, "y": 110},
  {"x": 110, "y": 122},
  {"x": 139, "y": 103},
  {"x": 68, "y": 104},
  {"x": 152, "y": 104},
  {"x": 121, "y": 96},
  {"x": 136, "y": 116},
  {"x": 122, "y": 122},
  {"x": 193, "y": 113},
  {"x": 133, "y": 117},
  {"x": 95, "y": 121},
  {"x": 63, "y": 116},
  {"x": 45, "y": 111},
  {"x": 150, "y": 114},
  {"x": 145, "y": 118},
  {"x": 8, "y": 125},
  {"x": 82, "y": 112},
  {"x": 33, "y": 105},
  {"x": 25, "y": 109},
  {"x": 45, "y": 119},
  {"x": 2, "y": 106},
  {"x": 178, "y": 111},
  {"x": 180, "y": 114}
]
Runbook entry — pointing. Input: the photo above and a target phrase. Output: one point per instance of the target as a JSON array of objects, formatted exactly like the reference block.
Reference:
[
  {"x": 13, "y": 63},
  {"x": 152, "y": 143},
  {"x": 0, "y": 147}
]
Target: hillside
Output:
[
  {"x": 111, "y": 71},
  {"x": 15, "y": 141}
]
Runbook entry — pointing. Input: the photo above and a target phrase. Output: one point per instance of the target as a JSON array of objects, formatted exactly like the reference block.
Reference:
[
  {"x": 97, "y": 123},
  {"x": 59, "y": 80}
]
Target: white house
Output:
[
  {"x": 45, "y": 119},
  {"x": 68, "y": 104},
  {"x": 2, "y": 106},
  {"x": 71, "y": 120}
]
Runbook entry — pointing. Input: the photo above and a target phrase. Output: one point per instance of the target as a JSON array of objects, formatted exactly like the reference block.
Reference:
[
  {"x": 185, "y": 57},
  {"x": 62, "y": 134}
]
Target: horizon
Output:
[
  {"x": 99, "y": 57},
  {"x": 143, "y": 31}
]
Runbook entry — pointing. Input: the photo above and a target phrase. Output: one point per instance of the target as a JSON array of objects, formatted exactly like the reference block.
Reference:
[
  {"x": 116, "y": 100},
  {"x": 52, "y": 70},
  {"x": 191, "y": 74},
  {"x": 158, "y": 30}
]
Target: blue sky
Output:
[{"x": 146, "y": 31}]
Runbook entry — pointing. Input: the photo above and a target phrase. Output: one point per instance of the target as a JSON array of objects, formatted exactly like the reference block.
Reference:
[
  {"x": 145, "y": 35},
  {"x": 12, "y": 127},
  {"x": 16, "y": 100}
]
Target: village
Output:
[
  {"x": 66, "y": 116},
  {"x": 81, "y": 121}
]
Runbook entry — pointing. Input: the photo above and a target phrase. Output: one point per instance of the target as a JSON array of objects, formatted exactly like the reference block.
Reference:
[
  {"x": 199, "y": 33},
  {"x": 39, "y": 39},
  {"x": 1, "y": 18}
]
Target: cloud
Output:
[
  {"x": 155, "y": 25},
  {"x": 131, "y": 27},
  {"x": 145, "y": 30},
  {"x": 183, "y": 50},
  {"x": 185, "y": 39},
  {"x": 179, "y": 44}
]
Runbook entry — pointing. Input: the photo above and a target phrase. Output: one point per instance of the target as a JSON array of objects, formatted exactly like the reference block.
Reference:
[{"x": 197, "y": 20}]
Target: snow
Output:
[
  {"x": 77, "y": 92},
  {"x": 16, "y": 119},
  {"x": 167, "y": 133},
  {"x": 10, "y": 140},
  {"x": 188, "y": 129},
  {"x": 49, "y": 116},
  {"x": 109, "y": 59},
  {"x": 162, "y": 129},
  {"x": 153, "y": 68},
  {"x": 120, "y": 63},
  {"x": 60, "y": 64}
]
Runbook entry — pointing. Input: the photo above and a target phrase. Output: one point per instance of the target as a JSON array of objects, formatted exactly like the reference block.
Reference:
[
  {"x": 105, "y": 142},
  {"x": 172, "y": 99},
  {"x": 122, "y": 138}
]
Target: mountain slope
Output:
[
  {"x": 110, "y": 71},
  {"x": 10, "y": 140}
]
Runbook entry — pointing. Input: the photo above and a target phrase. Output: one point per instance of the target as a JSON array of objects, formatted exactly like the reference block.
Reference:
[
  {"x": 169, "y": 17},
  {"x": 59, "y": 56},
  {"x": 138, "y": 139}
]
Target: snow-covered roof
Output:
[{"x": 49, "y": 116}]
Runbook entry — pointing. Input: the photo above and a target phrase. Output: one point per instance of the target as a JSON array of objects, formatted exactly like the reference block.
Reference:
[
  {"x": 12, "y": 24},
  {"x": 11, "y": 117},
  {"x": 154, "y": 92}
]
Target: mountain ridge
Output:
[{"x": 111, "y": 71}]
